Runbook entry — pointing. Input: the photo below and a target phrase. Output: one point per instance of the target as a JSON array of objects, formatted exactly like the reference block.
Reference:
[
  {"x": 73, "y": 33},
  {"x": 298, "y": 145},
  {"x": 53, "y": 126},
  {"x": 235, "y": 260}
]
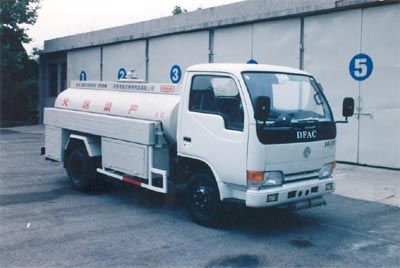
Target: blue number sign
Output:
[
  {"x": 252, "y": 61},
  {"x": 121, "y": 73},
  {"x": 175, "y": 74},
  {"x": 82, "y": 76},
  {"x": 361, "y": 66}
]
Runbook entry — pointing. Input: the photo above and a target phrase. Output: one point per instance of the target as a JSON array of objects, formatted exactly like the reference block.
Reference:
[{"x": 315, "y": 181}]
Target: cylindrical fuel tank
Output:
[{"x": 139, "y": 105}]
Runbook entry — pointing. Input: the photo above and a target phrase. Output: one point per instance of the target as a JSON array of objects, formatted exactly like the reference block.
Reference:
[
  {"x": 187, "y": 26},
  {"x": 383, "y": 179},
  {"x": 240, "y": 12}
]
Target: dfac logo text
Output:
[{"x": 306, "y": 134}]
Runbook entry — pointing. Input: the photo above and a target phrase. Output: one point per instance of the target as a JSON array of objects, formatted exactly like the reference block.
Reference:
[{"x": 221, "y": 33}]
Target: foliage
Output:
[
  {"x": 19, "y": 74},
  {"x": 178, "y": 10}
]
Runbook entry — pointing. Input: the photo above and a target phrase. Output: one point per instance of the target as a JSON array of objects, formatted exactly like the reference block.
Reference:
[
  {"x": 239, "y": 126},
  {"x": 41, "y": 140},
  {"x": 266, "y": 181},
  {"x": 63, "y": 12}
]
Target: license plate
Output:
[{"x": 303, "y": 204}]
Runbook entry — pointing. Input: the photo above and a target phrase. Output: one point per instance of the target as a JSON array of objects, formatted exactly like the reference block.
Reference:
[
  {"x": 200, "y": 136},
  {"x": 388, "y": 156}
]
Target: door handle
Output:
[
  {"x": 187, "y": 139},
  {"x": 366, "y": 114}
]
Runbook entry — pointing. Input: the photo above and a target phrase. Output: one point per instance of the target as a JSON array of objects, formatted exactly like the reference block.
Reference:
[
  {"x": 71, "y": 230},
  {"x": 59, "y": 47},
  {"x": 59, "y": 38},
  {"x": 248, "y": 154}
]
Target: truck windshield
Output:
[{"x": 294, "y": 98}]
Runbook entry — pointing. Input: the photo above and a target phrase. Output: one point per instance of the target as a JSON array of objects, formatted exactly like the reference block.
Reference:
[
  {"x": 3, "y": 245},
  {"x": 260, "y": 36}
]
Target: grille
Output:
[{"x": 302, "y": 176}]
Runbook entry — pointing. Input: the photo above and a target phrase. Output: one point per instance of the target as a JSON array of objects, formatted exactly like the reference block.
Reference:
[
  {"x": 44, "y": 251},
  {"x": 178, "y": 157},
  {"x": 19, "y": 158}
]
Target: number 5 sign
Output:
[{"x": 361, "y": 67}]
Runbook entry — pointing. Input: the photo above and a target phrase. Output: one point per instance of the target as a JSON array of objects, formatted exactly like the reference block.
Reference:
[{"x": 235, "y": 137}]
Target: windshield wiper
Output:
[
  {"x": 307, "y": 120},
  {"x": 284, "y": 120}
]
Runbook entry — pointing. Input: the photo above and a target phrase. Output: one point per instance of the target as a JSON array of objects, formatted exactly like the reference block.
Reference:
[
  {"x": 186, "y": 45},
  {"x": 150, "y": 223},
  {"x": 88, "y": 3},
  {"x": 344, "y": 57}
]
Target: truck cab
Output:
[{"x": 267, "y": 134}]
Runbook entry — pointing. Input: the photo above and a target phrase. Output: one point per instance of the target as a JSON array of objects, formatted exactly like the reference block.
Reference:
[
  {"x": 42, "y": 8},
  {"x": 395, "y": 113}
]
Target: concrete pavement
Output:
[
  {"x": 367, "y": 183},
  {"x": 45, "y": 223}
]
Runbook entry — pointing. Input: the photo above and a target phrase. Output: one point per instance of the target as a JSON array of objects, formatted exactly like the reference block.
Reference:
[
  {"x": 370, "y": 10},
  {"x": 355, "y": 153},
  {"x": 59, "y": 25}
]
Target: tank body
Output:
[{"x": 139, "y": 105}]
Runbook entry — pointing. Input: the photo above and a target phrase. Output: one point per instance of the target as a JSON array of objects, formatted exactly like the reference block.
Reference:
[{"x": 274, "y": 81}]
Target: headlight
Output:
[
  {"x": 258, "y": 179},
  {"x": 326, "y": 170}
]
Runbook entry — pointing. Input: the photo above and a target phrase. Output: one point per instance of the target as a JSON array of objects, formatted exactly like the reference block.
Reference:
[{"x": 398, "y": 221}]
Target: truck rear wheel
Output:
[
  {"x": 203, "y": 201},
  {"x": 81, "y": 169}
]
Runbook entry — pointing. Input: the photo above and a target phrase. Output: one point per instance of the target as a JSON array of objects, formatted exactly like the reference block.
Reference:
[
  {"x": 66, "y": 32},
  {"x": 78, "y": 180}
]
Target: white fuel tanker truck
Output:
[{"x": 260, "y": 135}]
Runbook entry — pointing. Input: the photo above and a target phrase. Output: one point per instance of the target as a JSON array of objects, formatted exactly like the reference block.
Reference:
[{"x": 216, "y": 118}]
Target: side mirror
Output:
[
  {"x": 348, "y": 107},
  {"x": 263, "y": 107}
]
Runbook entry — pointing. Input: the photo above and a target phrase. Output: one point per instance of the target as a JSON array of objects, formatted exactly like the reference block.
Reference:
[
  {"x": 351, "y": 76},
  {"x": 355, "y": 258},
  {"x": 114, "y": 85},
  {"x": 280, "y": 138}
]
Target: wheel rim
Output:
[
  {"x": 76, "y": 170},
  {"x": 203, "y": 198}
]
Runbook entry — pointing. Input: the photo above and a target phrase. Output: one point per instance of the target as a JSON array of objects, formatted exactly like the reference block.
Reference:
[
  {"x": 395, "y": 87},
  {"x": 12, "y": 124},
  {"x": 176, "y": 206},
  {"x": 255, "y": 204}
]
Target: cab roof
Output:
[{"x": 240, "y": 67}]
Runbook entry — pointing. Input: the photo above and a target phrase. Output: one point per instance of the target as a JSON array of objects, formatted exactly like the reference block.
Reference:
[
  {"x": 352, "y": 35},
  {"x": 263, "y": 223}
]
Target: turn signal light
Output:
[
  {"x": 258, "y": 179},
  {"x": 255, "y": 175},
  {"x": 254, "y": 179}
]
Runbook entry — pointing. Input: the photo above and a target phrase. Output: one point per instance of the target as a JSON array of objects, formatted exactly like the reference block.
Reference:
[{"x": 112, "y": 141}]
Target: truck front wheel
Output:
[
  {"x": 203, "y": 200},
  {"x": 81, "y": 169}
]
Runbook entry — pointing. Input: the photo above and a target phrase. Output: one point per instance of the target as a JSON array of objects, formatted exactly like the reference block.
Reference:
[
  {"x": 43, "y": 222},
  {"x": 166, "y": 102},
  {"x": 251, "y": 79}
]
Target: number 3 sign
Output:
[
  {"x": 361, "y": 67},
  {"x": 175, "y": 74}
]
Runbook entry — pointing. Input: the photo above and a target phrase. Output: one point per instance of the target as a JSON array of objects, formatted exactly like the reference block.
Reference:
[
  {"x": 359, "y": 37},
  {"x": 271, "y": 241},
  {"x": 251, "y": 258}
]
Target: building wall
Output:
[
  {"x": 127, "y": 56},
  {"x": 84, "y": 61},
  {"x": 379, "y": 133},
  {"x": 330, "y": 42},
  {"x": 277, "y": 42},
  {"x": 321, "y": 44},
  {"x": 47, "y": 85},
  {"x": 233, "y": 44},
  {"x": 181, "y": 49}
]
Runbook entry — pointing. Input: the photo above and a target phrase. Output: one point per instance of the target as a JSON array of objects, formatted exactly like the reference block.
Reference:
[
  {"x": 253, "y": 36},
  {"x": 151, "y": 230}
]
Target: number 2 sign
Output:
[{"x": 361, "y": 67}]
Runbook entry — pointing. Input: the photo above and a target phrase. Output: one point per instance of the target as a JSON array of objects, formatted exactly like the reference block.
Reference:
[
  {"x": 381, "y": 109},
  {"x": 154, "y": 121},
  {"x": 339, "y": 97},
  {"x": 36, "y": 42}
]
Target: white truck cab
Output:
[{"x": 260, "y": 135}]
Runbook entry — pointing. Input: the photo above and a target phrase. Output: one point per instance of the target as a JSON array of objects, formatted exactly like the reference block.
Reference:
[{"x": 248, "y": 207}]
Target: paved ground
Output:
[
  {"x": 370, "y": 184},
  {"x": 43, "y": 222}
]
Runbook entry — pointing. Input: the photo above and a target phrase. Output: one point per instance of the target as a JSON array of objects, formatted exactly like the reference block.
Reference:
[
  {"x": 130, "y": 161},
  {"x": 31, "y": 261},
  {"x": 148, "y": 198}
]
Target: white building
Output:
[{"x": 351, "y": 46}]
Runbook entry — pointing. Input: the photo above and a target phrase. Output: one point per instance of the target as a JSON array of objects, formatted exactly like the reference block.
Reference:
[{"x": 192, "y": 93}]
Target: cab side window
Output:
[{"x": 217, "y": 95}]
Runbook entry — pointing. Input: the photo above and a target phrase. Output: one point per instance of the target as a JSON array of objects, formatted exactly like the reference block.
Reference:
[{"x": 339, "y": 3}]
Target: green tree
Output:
[
  {"x": 178, "y": 10},
  {"x": 18, "y": 73}
]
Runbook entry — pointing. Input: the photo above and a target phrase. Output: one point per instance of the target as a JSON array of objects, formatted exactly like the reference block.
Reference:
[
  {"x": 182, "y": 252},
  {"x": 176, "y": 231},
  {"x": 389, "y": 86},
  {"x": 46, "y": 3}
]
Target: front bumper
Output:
[{"x": 292, "y": 192}]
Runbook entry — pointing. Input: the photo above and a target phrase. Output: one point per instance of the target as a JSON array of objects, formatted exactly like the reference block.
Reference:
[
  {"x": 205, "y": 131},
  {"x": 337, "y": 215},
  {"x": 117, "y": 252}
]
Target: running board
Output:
[{"x": 139, "y": 183}]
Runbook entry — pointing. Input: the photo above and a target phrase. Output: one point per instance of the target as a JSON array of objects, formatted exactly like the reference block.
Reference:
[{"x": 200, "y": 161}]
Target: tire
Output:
[
  {"x": 203, "y": 201},
  {"x": 81, "y": 169}
]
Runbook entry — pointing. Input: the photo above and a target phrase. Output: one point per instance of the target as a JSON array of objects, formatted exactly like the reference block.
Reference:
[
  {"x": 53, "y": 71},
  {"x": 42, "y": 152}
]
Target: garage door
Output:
[
  {"x": 169, "y": 56},
  {"x": 233, "y": 44},
  {"x": 83, "y": 64},
  {"x": 120, "y": 58},
  {"x": 277, "y": 42},
  {"x": 380, "y": 92},
  {"x": 330, "y": 41}
]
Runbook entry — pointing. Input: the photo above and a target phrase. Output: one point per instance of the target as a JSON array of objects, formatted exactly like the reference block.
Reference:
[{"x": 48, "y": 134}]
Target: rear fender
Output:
[{"x": 92, "y": 144}]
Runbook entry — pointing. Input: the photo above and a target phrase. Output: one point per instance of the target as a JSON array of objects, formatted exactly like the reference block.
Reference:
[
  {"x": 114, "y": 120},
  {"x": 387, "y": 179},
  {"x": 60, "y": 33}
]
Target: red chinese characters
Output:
[
  {"x": 167, "y": 88},
  {"x": 107, "y": 106},
  {"x": 65, "y": 102},
  {"x": 133, "y": 108},
  {"x": 86, "y": 104}
]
